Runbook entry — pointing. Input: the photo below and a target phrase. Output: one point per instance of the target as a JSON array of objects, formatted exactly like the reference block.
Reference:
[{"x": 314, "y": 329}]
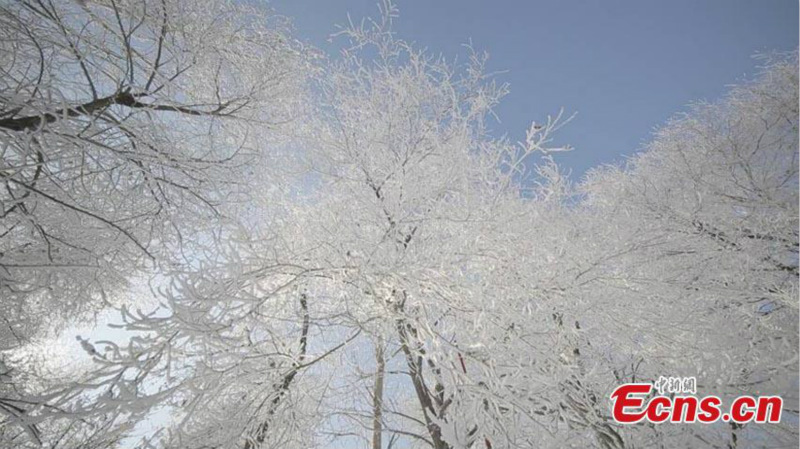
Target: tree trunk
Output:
[{"x": 377, "y": 396}]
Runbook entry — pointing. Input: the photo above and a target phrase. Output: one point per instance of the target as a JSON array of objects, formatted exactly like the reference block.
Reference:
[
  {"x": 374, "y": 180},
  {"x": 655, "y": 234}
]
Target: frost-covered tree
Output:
[
  {"x": 697, "y": 273},
  {"x": 398, "y": 232},
  {"x": 126, "y": 129},
  {"x": 405, "y": 279},
  {"x": 121, "y": 122}
]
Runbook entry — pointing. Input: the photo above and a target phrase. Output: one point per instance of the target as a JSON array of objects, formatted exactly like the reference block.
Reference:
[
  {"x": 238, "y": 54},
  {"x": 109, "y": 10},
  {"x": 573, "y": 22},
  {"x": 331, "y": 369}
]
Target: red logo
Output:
[{"x": 633, "y": 403}]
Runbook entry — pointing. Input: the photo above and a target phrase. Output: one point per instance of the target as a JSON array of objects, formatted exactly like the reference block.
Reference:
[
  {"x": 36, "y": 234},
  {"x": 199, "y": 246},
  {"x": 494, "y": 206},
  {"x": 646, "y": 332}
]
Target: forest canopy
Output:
[{"x": 289, "y": 250}]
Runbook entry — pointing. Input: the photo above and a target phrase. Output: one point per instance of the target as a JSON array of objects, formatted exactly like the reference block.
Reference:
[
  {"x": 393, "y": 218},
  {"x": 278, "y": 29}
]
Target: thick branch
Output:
[
  {"x": 283, "y": 387},
  {"x": 377, "y": 397},
  {"x": 92, "y": 107}
]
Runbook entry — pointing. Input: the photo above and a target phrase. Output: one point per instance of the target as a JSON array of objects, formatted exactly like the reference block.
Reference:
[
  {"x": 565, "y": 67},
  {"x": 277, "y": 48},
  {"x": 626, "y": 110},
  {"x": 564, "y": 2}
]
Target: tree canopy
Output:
[{"x": 301, "y": 251}]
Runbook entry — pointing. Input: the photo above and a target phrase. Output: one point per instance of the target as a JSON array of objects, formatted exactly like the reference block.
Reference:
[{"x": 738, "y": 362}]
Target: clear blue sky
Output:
[{"x": 624, "y": 66}]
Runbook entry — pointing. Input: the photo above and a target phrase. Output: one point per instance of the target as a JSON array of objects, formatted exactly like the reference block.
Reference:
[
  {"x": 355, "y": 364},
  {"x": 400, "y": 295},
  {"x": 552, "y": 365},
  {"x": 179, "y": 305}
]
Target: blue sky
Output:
[{"x": 624, "y": 66}]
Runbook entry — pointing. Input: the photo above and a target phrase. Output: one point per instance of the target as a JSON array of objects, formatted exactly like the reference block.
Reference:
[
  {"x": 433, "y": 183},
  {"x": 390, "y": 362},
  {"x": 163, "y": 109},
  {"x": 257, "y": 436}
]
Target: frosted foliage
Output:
[
  {"x": 702, "y": 229},
  {"x": 125, "y": 131},
  {"x": 397, "y": 276},
  {"x": 121, "y": 128}
]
